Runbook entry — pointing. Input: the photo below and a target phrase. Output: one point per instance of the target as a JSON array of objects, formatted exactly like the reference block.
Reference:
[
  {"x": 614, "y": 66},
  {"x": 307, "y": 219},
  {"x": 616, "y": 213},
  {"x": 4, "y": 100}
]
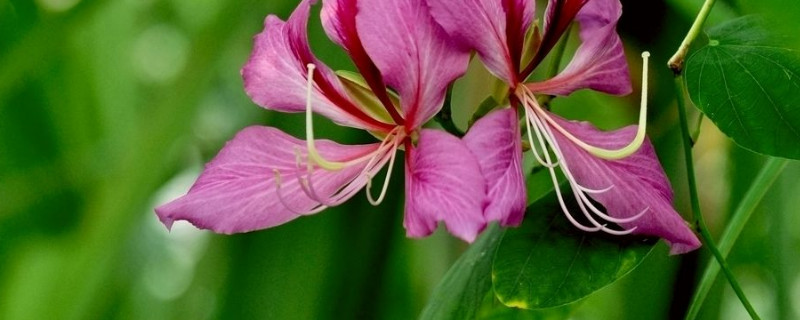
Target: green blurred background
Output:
[{"x": 108, "y": 108}]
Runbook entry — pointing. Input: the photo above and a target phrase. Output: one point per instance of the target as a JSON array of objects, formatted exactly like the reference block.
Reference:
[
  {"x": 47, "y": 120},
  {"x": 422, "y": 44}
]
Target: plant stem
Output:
[
  {"x": 772, "y": 169},
  {"x": 676, "y": 62},
  {"x": 698, "y": 215}
]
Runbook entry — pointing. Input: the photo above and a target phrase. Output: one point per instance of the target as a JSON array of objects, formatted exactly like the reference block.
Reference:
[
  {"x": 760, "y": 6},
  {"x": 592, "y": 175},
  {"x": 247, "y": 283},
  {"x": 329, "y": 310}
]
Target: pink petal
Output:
[
  {"x": 638, "y": 182},
  {"x": 495, "y": 141},
  {"x": 237, "y": 191},
  {"x": 599, "y": 62},
  {"x": 413, "y": 53},
  {"x": 275, "y": 76},
  {"x": 495, "y": 29},
  {"x": 443, "y": 183},
  {"x": 339, "y": 22}
]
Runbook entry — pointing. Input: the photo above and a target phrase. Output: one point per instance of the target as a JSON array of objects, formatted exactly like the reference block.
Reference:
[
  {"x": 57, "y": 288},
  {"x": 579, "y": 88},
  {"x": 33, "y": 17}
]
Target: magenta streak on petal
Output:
[
  {"x": 339, "y": 22},
  {"x": 275, "y": 75},
  {"x": 480, "y": 25},
  {"x": 599, "y": 62},
  {"x": 413, "y": 53},
  {"x": 237, "y": 191},
  {"x": 443, "y": 183},
  {"x": 519, "y": 15},
  {"x": 558, "y": 16},
  {"x": 638, "y": 182},
  {"x": 495, "y": 142}
]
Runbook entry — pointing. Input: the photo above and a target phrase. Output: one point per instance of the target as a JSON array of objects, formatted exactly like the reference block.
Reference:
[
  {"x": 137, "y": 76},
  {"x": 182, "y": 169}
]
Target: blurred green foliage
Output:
[{"x": 108, "y": 108}]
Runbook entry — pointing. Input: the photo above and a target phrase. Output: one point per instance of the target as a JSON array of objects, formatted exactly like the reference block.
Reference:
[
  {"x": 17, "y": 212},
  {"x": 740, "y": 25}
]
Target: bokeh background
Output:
[{"x": 108, "y": 108}]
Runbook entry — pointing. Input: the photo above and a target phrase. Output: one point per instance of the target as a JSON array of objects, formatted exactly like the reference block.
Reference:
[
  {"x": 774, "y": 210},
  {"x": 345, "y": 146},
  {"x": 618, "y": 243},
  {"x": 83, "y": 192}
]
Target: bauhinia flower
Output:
[
  {"x": 264, "y": 177},
  {"x": 618, "y": 169}
]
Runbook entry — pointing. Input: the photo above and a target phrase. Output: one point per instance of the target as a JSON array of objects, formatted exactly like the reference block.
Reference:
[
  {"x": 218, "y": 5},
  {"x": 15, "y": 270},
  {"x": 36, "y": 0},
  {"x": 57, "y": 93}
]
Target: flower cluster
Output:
[{"x": 407, "y": 53}]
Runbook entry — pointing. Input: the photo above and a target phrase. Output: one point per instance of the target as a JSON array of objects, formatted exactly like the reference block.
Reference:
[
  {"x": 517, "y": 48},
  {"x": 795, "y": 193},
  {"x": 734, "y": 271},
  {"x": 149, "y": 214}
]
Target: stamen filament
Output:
[
  {"x": 541, "y": 143},
  {"x": 582, "y": 199},
  {"x": 385, "y": 180},
  {"x": 610, "y": 154},
  {"x": 313, "y": 154},
  {"x": 546, "y": 137},
  {"x": 279, "y": 191}
]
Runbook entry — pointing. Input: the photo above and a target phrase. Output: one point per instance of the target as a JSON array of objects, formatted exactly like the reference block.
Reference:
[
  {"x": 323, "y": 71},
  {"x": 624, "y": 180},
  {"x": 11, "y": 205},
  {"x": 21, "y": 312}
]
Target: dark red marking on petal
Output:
[
  {"x": 304, "y": 53},
  {"x": 514, "y": 33},
  {"x": 352, "y": 43},
  {"x": 563, "y": 14}
]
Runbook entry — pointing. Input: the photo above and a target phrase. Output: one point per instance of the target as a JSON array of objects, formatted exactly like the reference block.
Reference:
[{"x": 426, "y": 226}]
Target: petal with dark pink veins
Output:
[
  {"x": 638, "y": 183},
  {"x": 276, "y": 75},
  {"x": 495, "y": 29},
  {"x": 495, "y": 141},
  {"x": 599, "y": 63},
  {"x": 413, "y": 53},
  {"x": 238, "y": 190},
  {"x": 443, "y": 183}
]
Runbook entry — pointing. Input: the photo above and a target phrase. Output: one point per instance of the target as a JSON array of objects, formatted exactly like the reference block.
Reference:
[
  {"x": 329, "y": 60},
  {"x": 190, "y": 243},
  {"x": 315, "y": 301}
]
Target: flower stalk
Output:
[
  {"x": 758, "y": 189},
  {"x": 700, "y": 223}
]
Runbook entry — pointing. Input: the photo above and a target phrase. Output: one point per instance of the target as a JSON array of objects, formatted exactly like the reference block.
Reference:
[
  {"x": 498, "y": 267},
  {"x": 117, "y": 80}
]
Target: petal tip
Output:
[{"x": 164, "y": 215}]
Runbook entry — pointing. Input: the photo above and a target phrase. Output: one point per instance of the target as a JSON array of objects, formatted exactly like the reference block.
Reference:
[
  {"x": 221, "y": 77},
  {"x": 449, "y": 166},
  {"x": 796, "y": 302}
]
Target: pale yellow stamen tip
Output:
[{"x": 313, "y": 155}]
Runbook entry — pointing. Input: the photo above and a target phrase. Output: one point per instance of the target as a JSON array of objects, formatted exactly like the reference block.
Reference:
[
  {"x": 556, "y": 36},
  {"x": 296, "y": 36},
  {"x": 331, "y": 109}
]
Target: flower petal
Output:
[
  {"x": 638, "y": 182},
  {"x": 443, "y": 183},
  {"x": 276, "y": 75},
  {"x": 495, "y": 30},
  {"x": 413, "y": 53},
  {"x": 237, "y": 191},
  {"x": 495, "y": 141},
  {"x": 599, "y": 63},
  {"x": 339, "y": 22}
]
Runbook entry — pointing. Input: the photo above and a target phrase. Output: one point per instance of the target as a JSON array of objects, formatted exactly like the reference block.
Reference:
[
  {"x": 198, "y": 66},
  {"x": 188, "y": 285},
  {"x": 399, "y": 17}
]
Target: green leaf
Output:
[
  {"x": 749, "y": 87},
  {"x": 486, "y": 106},
  {"x": 547, "y": 262},
  {"x": 460, "y": 294}
]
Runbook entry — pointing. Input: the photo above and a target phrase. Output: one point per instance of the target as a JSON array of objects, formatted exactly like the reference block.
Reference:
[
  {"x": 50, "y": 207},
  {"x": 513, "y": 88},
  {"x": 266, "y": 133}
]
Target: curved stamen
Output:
[
  {"x": 595, "y": 191},
  {"x": 578, "y": 190},
  {"x": 347, "y": 191},
  {"x": 279, "y": 191},
  {"x": 608, "y": 218},
  {"x": 377, "y": 160},
  {"x": 582, "y": 199},
  {"x": 610, "y": 154},
  {"x": 554, "y": 178},
  {"x": 541, "y": 143},
  {"x": 313, "y": 154},
  {"x": 385, "y": 181}
]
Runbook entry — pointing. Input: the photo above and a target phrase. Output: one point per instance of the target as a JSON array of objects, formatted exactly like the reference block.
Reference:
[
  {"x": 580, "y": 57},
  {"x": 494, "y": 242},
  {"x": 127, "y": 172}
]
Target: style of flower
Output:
[
  {"x": 618, "y": 169},
  {"x": 264, "y": 177}
]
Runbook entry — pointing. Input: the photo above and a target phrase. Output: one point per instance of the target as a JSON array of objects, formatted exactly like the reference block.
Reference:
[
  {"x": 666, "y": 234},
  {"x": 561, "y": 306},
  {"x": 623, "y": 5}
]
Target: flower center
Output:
[{"x": 373, "y": 162}]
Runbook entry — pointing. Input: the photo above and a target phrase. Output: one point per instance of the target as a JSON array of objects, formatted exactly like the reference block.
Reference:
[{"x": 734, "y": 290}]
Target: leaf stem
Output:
[
  {"x": 676, "y": 62},
  {"x": 769, "y": 173},
  {"x": 698, "y": 215}
]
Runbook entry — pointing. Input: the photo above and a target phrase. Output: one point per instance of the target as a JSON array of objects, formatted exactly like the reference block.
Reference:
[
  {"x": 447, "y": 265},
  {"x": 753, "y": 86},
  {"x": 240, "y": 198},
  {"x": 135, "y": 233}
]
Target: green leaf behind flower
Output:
[
  {"x": 547, "y": 262},
  {"x": 749, "y": 86}
]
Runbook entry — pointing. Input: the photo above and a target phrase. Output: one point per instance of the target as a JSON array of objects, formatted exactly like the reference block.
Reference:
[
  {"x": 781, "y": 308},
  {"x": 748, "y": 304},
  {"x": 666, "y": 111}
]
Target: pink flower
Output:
[
  {"x": 618, "y": 169},
  {"x": 264, "y": 177}
]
